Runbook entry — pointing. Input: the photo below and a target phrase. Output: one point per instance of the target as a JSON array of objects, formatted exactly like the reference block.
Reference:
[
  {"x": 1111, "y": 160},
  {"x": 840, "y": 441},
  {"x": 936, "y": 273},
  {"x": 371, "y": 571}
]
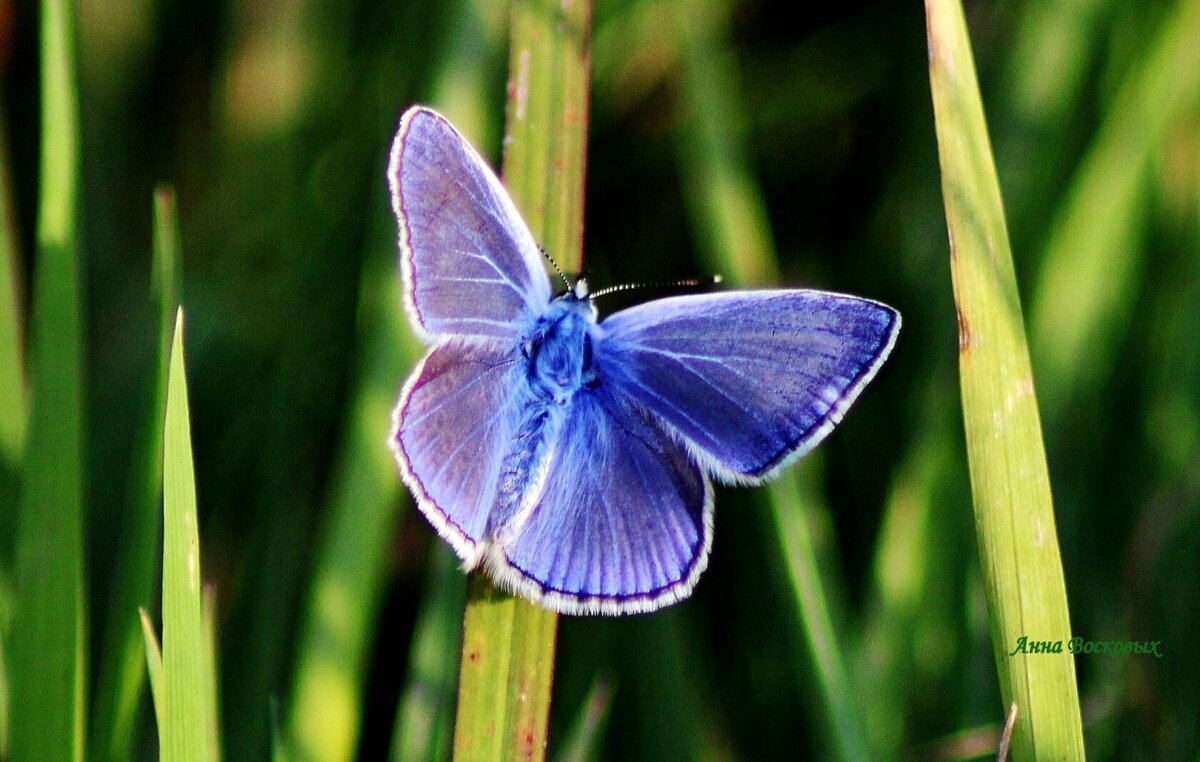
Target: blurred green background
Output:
[{"x": 719, "y": 132}]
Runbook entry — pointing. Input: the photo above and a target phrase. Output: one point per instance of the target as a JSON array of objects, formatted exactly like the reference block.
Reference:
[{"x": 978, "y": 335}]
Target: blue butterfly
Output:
[{"x": 571, "y": 458}]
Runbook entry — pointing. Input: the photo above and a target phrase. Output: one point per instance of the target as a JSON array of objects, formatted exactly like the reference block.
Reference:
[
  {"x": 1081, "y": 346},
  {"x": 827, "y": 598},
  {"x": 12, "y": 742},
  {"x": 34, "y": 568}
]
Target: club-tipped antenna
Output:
[
  {"x": 688, "y": 283},
  {"x": 554, "y": 264}
]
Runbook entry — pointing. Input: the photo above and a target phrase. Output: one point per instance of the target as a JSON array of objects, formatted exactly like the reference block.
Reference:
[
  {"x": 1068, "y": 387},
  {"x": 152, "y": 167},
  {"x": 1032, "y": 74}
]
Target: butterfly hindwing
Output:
[
  {"x": 450, "y": 430},
  {"x": 623, "y": 519},
  {"x": 750, "y": 379},
  {"x": 470, "y": 266}
]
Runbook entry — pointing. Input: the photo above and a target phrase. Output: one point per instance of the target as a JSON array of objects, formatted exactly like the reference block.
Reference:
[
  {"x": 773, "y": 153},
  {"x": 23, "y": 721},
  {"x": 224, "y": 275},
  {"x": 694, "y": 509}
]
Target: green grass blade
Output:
[
  {"x": 3, "y": 700},
  {"x": 14, "y": 409},
  {"x": 47, "y": 643},
  {"x": 119, "y": 685},
  {"x": 184, "y": 730},
  {"x": 508, "y": 644},
  {"x": 1013, "y": 510},
  {"x": 725, "y": 203},
  {"x": 154, "y": 665},
  {"x": 1092, "y": 269},
  {"x": 13, "y": 403},
  {"x": 729, "y": 211}
]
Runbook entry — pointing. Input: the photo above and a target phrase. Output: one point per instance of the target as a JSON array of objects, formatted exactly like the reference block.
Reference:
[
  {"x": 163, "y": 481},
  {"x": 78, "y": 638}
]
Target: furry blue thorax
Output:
[{"x": 558, "y": 349}]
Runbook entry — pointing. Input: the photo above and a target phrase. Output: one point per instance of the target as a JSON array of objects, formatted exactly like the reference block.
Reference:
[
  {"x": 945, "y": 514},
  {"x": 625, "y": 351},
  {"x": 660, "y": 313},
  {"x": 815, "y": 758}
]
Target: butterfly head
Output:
[
  {"x": 578, "y": 298},
  {"x": 581, "y": 289}
]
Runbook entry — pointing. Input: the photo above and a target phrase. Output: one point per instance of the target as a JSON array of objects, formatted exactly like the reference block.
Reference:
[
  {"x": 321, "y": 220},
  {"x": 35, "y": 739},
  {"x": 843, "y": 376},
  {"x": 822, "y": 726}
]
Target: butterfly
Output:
[{"x": 572, "y": 458}]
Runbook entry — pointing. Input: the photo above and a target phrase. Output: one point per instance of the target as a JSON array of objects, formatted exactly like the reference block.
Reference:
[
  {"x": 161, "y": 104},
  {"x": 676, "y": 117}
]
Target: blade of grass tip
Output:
[
  {"x": 1013, "y": 511},
  {"x": 1092, "y": 268},
  {"x": 729, "y": 212},
  {"x": 154, "y": 666},
  {"x": 47, "y": 642},
  {"x": 324, "y": 715},
  {"x": 13, "y": 402},
  {"x": 184, "y": 734},
  {"x": 508, "y": 643},
  {"x": 583, "y": 740},
  {"x": 119, "y": 685},
  {"x": 425, "y": 715}
]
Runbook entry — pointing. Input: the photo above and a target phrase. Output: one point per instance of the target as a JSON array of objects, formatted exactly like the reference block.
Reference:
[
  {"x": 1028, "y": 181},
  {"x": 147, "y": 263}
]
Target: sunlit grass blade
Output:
[
  {"x": 583, "y": 739},
  {"x": 508, "y": 644},
  {"x": 425, "y": 717},
  {"x": 1013, "y": 510},
  {"x": 13, "y": 402},
  {"x": 14, "y": 409},
  {"x": 119, "y": 686},
  {"x": 1093, "y": 261},
  {"x": 47, "y": 652},
  {"x": 729, "y": 212},
  {"x": 183, "y": 729}
]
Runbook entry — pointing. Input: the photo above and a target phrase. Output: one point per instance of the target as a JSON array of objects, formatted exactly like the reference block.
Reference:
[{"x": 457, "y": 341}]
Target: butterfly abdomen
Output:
[{"x": 523, "y": 468}]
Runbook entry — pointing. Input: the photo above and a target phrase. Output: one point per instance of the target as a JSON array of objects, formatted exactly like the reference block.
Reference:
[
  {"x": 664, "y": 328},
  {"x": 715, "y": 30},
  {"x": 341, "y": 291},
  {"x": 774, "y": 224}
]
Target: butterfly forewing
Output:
[
  {"x": 469, "y": 264},
  {"x": 750, "y": 379}
]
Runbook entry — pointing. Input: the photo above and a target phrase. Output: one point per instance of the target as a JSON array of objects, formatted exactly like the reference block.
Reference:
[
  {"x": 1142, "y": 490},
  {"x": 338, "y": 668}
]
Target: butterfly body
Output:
[{"x": 572, "y": 458}]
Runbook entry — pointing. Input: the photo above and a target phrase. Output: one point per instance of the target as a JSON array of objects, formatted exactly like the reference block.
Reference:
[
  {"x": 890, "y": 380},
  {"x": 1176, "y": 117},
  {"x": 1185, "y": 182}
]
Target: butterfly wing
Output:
[
  {"x": 623, "y": 521},
  {"x": 472, "y": 279},
  {"x": 455, "y": 420},
  {"x": 749, "y": 379},
  {"x": 469, "y": 264}
]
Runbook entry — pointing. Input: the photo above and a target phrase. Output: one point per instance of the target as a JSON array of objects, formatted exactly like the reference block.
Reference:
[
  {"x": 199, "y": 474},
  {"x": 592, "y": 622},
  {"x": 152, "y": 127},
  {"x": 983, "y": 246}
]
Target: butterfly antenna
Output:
[
  {"x": 688, "y": 283},
  {"x": 554, "y": 264}
]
